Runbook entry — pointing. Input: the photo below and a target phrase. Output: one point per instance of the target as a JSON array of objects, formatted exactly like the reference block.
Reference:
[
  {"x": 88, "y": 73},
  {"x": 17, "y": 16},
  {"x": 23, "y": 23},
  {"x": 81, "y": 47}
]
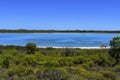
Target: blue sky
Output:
[{"x": 60, "y": 14}]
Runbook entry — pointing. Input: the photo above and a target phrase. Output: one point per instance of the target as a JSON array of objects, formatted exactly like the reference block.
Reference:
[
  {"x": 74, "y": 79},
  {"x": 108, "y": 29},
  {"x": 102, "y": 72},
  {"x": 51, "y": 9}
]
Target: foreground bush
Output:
[
  {"x": 117, "y": 68},
  {"x": 29, "y": 60},
  {"x": 53, "y": 74},
  {"x": 52, "y": 64},
  {"x": 30, "y": 48},
  {"x": 66, "y": 62},
  {"x": 109, "y": 75},
  {"x": 115, "y": 49},
  {"x": 5, "y": 62}
]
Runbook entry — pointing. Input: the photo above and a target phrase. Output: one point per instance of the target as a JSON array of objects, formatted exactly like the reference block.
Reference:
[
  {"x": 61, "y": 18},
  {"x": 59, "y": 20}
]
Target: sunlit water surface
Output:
[{"x": 57, "y": 39}]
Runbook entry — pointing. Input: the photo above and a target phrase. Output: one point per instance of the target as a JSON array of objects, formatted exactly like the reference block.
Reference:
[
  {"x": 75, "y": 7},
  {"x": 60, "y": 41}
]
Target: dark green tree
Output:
[
  {"x": 30, "y": 48},
  {"x": 115, "y": 49}
]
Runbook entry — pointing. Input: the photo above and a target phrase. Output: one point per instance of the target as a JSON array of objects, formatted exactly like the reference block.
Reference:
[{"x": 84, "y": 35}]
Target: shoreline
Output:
[
  {"x": 73, "y": 47},
  {"x": 58, "y": 47},
  {"x": 57, "y": 33}
]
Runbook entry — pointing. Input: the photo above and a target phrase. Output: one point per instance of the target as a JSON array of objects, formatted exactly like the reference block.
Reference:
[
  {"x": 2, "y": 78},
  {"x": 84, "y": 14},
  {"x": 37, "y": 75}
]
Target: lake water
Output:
[{"x": 57, "y": 39}]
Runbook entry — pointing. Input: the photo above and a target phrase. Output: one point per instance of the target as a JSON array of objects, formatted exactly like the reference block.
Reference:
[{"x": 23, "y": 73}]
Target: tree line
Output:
[{"x": 57, "y": 31}]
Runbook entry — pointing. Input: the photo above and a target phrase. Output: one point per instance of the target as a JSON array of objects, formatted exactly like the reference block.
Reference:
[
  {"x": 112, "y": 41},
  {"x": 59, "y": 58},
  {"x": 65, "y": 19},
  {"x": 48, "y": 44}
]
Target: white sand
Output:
[
  {"x": 68, "y": 47},
  {"x": 74, "y": 47}
]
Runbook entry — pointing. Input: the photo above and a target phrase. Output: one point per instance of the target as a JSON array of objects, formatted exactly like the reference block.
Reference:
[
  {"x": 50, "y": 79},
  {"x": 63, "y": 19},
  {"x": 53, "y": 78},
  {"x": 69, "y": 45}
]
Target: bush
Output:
[
  {"x": 30, "y": 48},
  {"x": 1, "y": 51},
  {"x": 20, "y": 72},
  {"x": 68, "y": 52},
  {"x": 115, "y": 49},
  {"x": 52, "y": 64},
  {"x": 13, "y": 52},
  {"x": 46, "y": 52},
  {"x": 86, "y": 66},
  {"x": 109, "y": 74},
  {"x": 28, "y": 71},
  {"x": 5, "y": 62},
  {"x": 52, "y": 74},
  {"x": 66, "y": 62},
  {"x": 104, "y": 60},
  {"x": 89, "y": 75},
  {"x": 117, "y": 68},
  {"x": 96, "y": 76},
  {"x": 30, "y": 60},
  {"x": 81, "y": 60}
]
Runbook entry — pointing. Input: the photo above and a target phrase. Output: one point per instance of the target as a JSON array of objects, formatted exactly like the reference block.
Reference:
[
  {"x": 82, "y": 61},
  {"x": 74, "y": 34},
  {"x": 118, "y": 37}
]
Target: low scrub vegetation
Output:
[{"x": 30, "y": 63}]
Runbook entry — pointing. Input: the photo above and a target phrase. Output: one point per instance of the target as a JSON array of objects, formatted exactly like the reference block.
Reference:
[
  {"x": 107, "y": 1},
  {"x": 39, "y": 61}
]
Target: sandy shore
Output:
[
  {"x": 74, "y": 47},
  {"x": 65, "y": 47}
]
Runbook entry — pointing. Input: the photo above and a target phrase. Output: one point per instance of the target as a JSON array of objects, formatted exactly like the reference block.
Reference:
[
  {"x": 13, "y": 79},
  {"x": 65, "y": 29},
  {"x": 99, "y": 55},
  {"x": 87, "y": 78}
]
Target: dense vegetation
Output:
[
  {"x": 16, "y": 63},
  {"x": 56, "y": 31},
  {"x": 115, "y": 49}
]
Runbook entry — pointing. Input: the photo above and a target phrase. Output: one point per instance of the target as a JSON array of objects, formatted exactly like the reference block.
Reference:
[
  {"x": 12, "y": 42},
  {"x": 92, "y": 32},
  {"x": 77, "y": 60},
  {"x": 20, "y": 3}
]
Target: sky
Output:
[{"x": 60, "y": 14}]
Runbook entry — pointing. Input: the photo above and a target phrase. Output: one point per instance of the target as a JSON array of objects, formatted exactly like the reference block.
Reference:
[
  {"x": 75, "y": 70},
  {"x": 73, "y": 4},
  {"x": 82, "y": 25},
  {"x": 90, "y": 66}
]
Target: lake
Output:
[{"x": 57, "y": 39}]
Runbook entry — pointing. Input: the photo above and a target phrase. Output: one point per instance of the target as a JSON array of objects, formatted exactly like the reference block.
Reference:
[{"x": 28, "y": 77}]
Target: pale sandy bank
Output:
[{"x": 73, "y": 47}]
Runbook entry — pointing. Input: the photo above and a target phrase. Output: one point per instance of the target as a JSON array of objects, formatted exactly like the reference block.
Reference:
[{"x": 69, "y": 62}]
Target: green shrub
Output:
[
  {"x": 89, "y": 75},
  {"x": 47, "y": 52},
  {"x": 117, "y": 68},
  {"x": 76, "y": 77},
  {"x": 18, "y": 70},
  {"x": 109, "y": 74},
  {"x": 115, "y": 49},
  {"x": 111, "y": 61},
  {"x": 30, "y": 48},
  {"x": 68, "y": 52},
  {"x": 71, "y": 70},
  {"x": 5, "y": 62},
  {"x": 28, "y": 71},
  {"x": 80, "y": 60},
  {"x": 52, "y": 74},
  {"x": 30, "y": 60},
  {"x": 52, "y": 64},
  {"x": 1, "y": 51},
  {"x": 17, "y": 61},
  {"x": 104, "y": 59},
  {"x": 86, "y": 66},
  {"x": 66, "y": 62},
  {"x": 13, "y": 52},
  {"x": 96, "y": 76}
]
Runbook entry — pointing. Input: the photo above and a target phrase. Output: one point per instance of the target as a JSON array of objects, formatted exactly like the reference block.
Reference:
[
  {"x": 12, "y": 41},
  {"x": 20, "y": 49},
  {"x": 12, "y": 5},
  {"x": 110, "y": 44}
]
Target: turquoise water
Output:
[{"x": 57, "y": 39}]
